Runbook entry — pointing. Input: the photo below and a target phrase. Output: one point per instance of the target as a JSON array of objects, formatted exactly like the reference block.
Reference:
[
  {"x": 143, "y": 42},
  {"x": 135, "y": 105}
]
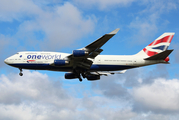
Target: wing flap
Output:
[
  {"x": 95, "y": 53},
  {"x": 85, "y": 64}
]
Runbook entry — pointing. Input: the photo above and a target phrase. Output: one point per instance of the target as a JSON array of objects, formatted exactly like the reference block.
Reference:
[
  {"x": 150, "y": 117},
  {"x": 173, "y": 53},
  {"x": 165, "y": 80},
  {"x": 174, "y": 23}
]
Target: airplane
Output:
[{"x": 87, "y": 63}]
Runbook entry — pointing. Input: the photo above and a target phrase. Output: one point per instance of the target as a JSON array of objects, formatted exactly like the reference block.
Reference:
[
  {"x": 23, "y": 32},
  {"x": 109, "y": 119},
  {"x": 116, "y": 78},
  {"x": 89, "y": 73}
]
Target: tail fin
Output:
[{"x": 157, "y": 46}]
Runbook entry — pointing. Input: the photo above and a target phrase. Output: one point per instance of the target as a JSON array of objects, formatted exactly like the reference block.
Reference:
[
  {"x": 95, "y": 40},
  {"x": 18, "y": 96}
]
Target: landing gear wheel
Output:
[
  {"x": 78, "y": 74},
  {"x": 80, "y": 80},
  {"x": 21, "y": 74}
]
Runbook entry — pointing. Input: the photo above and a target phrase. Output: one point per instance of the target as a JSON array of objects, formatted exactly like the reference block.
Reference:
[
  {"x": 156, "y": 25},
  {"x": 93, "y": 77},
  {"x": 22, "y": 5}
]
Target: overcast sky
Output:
[{"x": 145, "y": 93}]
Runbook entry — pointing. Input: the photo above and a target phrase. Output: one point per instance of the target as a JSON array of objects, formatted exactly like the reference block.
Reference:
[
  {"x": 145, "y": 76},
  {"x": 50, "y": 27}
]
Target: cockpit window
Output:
[{"x": 17, "y": 53}]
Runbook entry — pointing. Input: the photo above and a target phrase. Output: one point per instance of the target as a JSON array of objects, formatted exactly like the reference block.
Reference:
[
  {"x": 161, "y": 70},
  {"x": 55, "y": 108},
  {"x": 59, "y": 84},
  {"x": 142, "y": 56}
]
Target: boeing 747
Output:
[{"x": 87, "y": 63}]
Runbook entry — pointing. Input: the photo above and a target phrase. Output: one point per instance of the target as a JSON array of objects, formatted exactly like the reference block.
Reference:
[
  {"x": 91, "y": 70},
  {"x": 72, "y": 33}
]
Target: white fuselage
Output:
[{"x": 43, "y": 61}]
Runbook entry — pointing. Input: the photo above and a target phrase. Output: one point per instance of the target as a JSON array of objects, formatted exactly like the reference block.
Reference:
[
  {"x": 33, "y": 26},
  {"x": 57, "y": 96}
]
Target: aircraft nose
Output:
[{"x": 6, "y": 61}]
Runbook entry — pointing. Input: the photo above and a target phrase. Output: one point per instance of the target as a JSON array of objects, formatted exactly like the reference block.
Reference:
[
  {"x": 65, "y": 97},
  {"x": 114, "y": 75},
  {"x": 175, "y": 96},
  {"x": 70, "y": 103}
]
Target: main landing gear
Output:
[
  {"x": 78, "y": 74},
  {"x": 81, "y": 75},
  {"x": 80, "y": 79},
  {"x": 21, "y": 74}
]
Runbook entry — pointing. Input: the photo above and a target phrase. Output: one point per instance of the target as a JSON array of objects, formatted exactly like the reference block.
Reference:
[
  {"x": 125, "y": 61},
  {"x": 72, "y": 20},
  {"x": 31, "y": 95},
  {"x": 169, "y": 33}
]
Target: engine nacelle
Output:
[
  {"x": 79, "y": 53},
  {"x": 70, "y": 76},
  {"x": 93, "y": 77},
  {"x": 61, "y": 62}
]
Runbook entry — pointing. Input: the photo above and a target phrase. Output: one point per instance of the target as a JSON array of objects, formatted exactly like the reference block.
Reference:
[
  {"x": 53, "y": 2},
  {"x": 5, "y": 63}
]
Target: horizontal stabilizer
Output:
[{"x": 160, "y": 56}]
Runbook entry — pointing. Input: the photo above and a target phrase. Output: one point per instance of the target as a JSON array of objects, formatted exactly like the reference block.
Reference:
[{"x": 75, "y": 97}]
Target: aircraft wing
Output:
[
  {"x": 106, "y": 73},
  {"x": 96, "y": 75},
  {"x": 94, "y": 47},
  {"x": 83, "y": 58}
]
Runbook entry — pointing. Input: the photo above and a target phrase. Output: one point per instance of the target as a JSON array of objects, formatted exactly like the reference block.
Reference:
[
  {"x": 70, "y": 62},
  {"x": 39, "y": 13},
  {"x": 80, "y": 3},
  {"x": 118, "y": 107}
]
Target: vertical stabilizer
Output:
[{"x": 157, "y": 46}]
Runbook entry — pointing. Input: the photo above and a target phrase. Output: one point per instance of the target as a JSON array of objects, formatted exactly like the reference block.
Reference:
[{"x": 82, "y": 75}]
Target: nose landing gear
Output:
[{"x": 21, "y": 74}]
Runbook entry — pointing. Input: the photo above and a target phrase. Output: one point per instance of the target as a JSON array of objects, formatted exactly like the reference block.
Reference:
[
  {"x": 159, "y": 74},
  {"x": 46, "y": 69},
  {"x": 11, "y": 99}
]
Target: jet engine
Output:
[
  {"x": 79, "y": 53},
  {"x": 93, "y": 77},
  {"x": 61, "y": 62},
  {"x": 70, "y": 76}
]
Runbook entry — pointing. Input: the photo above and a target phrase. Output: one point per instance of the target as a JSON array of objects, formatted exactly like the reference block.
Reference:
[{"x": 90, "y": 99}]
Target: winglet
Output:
[{"x": 114, "y": 31}]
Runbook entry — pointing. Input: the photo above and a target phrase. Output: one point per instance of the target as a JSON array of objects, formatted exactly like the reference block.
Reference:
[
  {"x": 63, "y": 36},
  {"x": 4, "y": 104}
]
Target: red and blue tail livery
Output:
[
  {"x": 159, "y": 45},
  {"x": 87, "y": 61}
]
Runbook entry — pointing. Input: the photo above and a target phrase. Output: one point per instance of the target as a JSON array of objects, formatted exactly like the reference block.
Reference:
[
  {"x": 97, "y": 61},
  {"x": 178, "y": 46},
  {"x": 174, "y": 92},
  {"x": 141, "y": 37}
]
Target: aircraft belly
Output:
[
  {"x": 41, "y": 67},
  {"x": 94, "y": 67}
]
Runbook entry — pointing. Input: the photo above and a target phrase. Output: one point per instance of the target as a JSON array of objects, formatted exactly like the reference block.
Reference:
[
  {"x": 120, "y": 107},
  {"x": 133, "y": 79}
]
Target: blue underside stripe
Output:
[{"x": 53, "y": 68}]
